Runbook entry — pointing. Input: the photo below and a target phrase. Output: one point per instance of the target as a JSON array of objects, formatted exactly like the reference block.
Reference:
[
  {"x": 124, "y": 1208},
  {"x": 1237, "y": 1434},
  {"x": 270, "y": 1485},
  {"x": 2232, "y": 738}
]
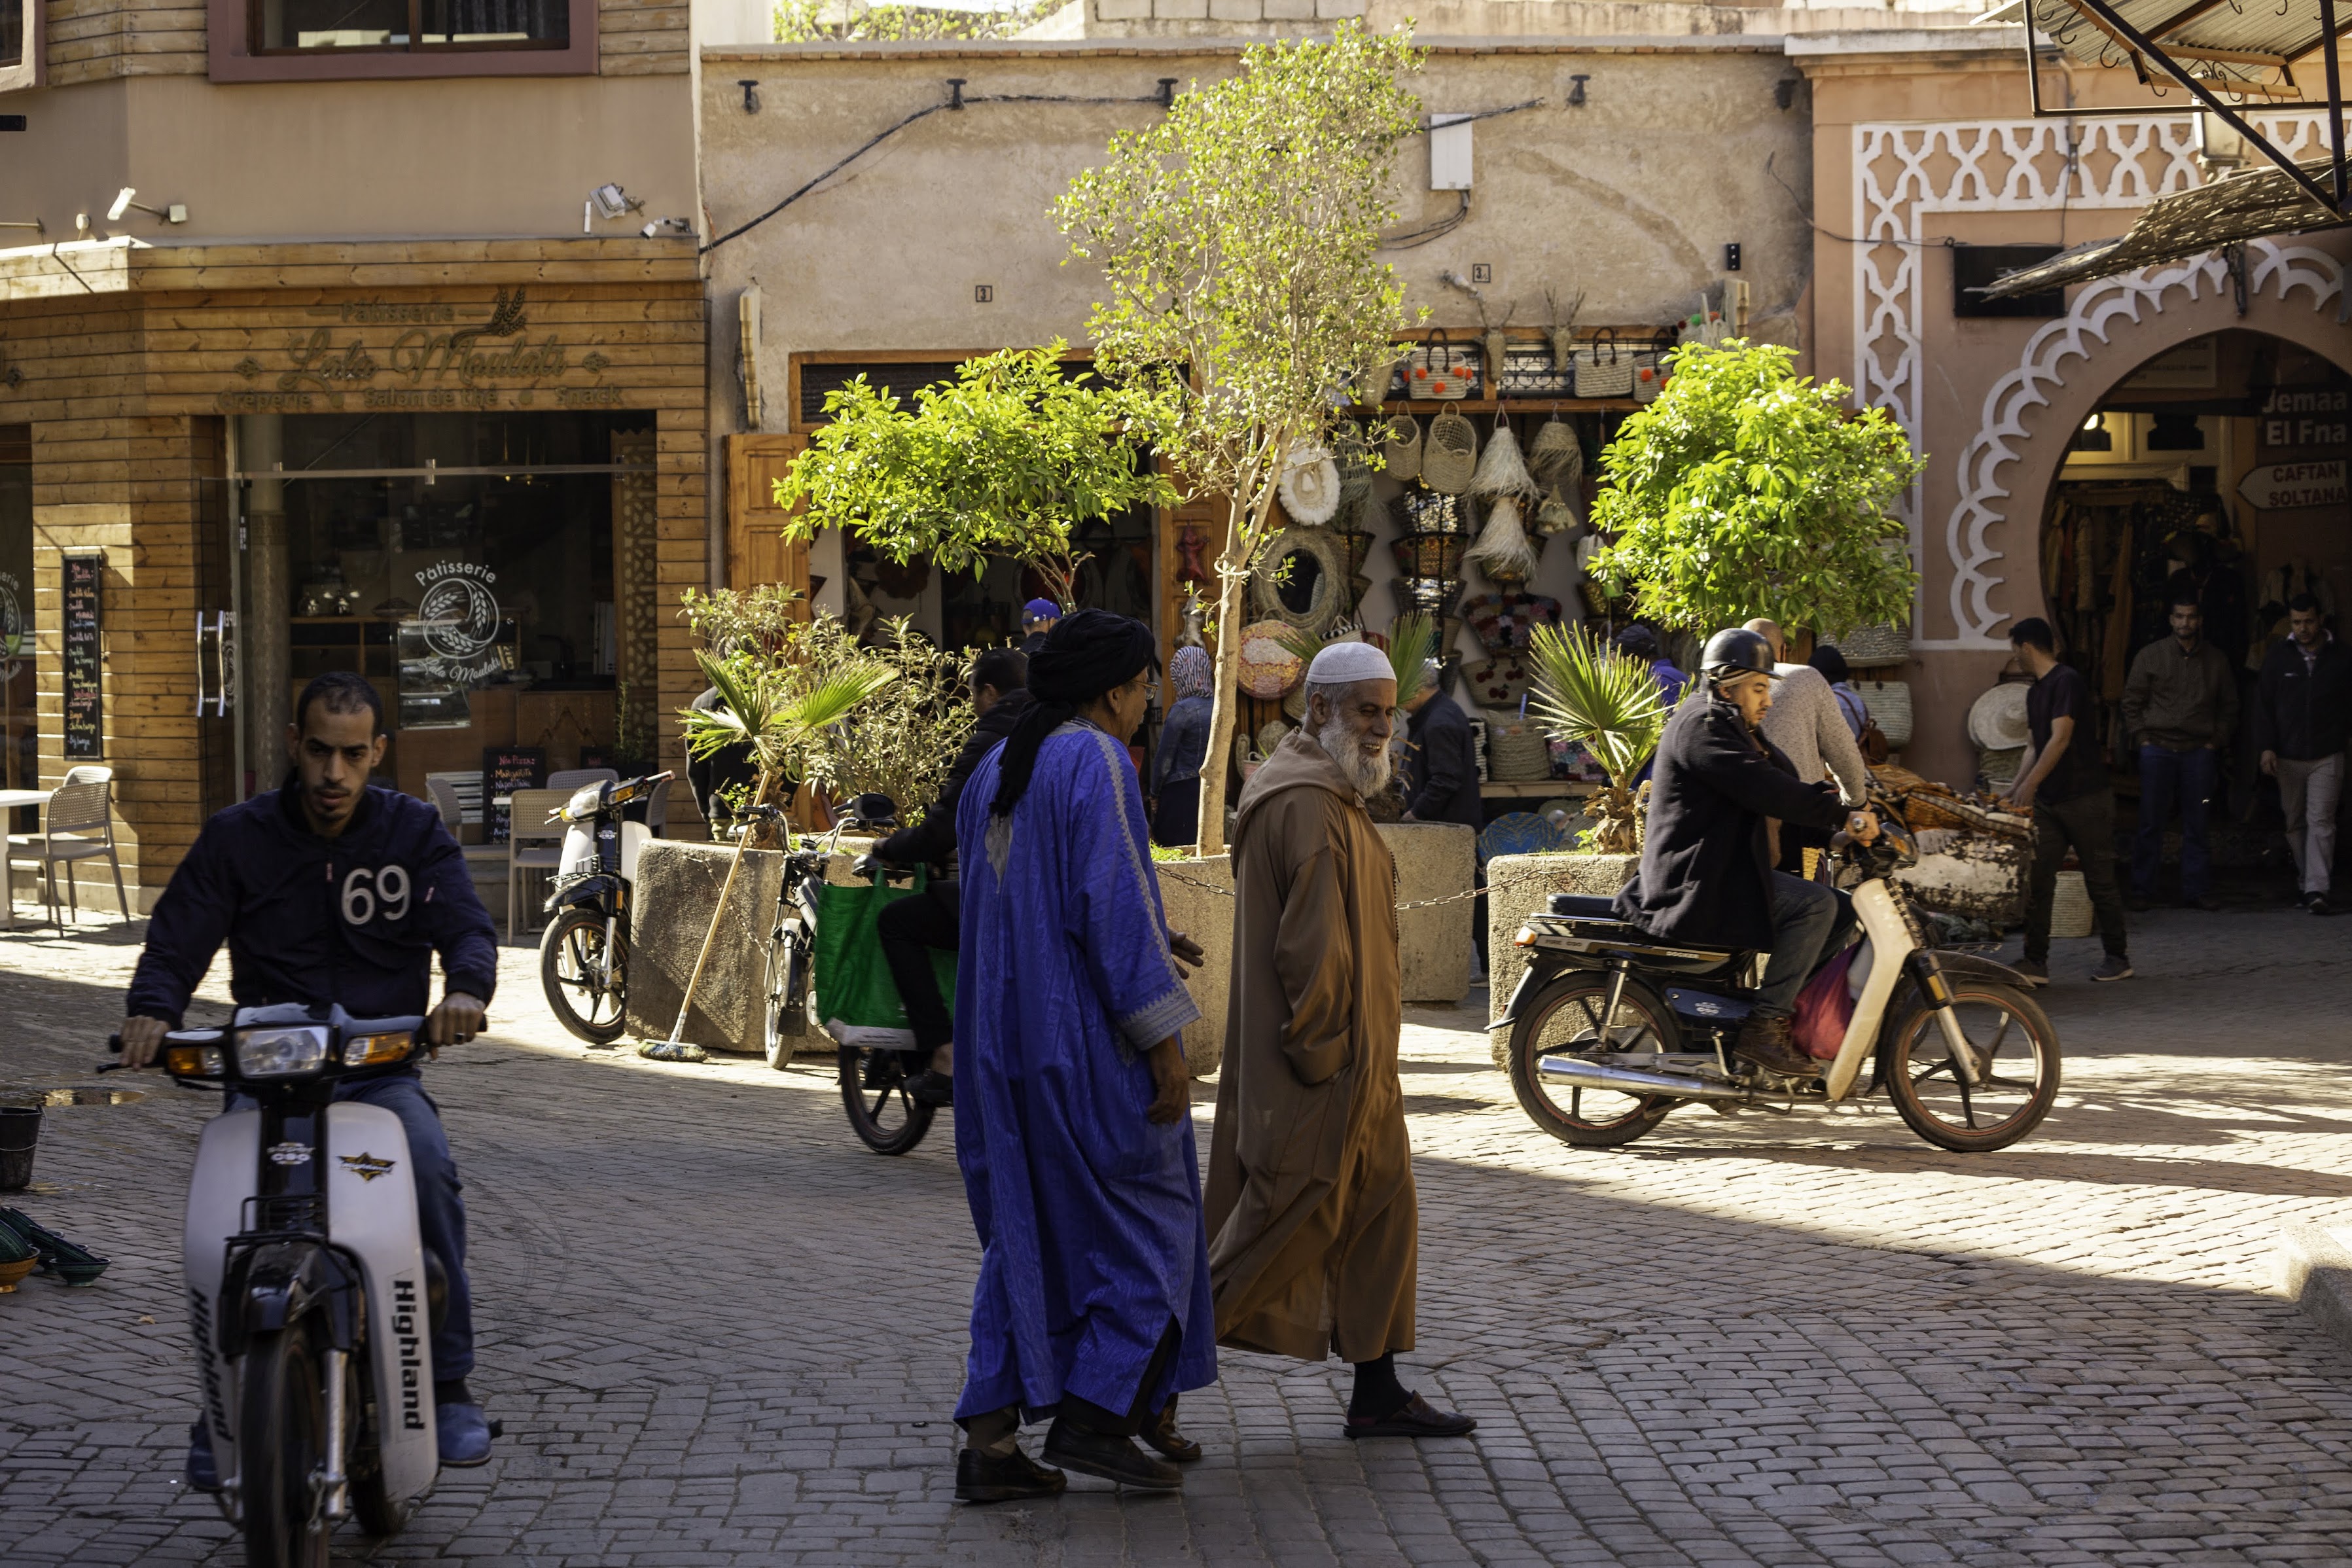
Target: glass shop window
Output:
[
  {"x": 20, "y": 752},
  {"x": 284, "y": 25},
  {"x": 12, "y": 32}
]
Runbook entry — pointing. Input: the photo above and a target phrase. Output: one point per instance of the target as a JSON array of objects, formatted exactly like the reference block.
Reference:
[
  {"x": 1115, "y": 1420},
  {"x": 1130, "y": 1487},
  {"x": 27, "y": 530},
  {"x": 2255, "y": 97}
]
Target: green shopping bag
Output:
[{"x": 856, "y": 994}]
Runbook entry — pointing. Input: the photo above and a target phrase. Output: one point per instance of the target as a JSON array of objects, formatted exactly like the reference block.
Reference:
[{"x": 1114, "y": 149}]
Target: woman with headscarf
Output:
[
  {"x": 1073, "y": 1127},
  {"x": 1839, "y": 675},
  {"x": 1183, "y": 746}
]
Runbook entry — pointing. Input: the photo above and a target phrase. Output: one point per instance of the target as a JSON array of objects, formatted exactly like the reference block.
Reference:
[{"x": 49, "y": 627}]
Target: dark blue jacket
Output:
[
  {"x": 354, "y": 920},
  {"x": 1441, "y": 765}
]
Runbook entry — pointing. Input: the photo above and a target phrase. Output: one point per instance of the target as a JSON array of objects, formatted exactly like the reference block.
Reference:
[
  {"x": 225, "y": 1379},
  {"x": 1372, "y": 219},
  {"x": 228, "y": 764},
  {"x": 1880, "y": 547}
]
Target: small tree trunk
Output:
[{"x": 1245, "y": 525}]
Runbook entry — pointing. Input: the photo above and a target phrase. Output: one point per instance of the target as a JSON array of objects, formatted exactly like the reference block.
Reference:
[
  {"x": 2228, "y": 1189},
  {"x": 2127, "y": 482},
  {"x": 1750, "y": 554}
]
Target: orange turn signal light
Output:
[
  {"x": 372, "y": 1050},
  {"x": 194, "y": 1061}
]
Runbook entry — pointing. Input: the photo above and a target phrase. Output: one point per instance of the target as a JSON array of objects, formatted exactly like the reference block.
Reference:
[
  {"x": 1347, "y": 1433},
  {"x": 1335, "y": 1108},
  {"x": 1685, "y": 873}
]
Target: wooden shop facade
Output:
[{"x": 472, "y": 472}]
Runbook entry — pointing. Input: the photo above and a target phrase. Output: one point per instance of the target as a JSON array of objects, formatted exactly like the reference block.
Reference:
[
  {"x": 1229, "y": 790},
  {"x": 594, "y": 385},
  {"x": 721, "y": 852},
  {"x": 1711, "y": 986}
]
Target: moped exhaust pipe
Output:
[{"x": 1592, "y": 1074}]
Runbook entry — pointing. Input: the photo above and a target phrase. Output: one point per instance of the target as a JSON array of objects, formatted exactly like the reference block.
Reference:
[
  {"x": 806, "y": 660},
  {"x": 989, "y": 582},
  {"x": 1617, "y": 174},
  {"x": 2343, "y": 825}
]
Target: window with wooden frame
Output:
[
  {"x": 14, "y": 44},
  {"x": 307, "y": 27}
]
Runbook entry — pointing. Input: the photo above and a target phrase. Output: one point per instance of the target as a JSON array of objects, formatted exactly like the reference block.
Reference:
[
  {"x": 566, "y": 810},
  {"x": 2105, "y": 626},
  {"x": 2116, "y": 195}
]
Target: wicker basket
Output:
[
  {"x": 1449, "y": 455},
  {"x": 1403, "y": 449},
  {"x": 2070, "y": 906},
  {"x": 1360, "y": 548},
  {"x": 1889, "y": 702},
  {"x": 1427, "y": 596},
  {"x": 1876, "y": 645},
  {"x": 1426, "y": 511},
  {"x": 1999, "y": 764},
  {"x": 1430, "y": 554},
  {"x": 1517, "y": 749}
]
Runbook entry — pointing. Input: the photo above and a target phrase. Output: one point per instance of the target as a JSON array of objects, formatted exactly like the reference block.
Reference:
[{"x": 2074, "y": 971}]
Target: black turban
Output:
[{"x": 1085, "y": 655}]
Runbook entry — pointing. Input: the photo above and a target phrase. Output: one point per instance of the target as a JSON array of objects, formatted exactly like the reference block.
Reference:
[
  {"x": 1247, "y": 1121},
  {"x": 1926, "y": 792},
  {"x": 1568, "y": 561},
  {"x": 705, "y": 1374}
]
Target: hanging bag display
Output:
[
  {"x": 1556, "y": 458},
  {"x": 1401, "y": 450},
  {"x": 1440, "y": 370},
  {"x": 856, "y": 994},
  {"x": 1649, "y": 368},
  {"x": 1449, "y": 458},
  {"x": 1602, "y": 370}
]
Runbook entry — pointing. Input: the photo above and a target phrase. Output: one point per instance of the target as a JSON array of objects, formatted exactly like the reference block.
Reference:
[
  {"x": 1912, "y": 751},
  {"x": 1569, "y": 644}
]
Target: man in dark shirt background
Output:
[
  {"x": 2063, "y": 783},
  {"x": 1442, "y": 775},
  {"x": 2302, "y": 711}
]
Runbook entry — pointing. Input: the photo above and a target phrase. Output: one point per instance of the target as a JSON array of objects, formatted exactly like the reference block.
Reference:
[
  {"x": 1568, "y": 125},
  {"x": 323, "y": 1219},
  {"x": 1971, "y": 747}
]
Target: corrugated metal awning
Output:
[{"x": 2245, "y": 47}]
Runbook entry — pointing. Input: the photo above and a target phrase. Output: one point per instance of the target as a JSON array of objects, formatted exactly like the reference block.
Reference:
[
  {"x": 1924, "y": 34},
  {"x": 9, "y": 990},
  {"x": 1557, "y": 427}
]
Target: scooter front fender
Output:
[
  {"x": 371, "y": 1215},
  {"x": 1540, "y": 971}
]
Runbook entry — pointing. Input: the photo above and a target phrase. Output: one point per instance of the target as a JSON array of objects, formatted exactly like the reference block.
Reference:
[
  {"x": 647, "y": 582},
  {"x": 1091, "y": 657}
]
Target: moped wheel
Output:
[
  {"x": 2017, "y": 1054},
  {"x": 1565, "y": 1019},
  {"x": 586, "y": 988},
  {"x": 281, "y": 1451},
  {"x": 377, "y": 1512},
  {"x": 886, "y": 1118},
  {"x": 783, "y": 1015}
]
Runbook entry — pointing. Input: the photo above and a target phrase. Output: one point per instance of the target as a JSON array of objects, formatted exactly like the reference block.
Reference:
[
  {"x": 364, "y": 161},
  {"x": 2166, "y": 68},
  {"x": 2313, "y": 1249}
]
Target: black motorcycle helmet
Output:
[{"x": 1735, "y": 651}]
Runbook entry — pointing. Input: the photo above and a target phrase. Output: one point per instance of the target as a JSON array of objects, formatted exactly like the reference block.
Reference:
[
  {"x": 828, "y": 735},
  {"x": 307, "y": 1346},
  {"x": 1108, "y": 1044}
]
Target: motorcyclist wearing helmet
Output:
[{"x": 1719, "y": 795}]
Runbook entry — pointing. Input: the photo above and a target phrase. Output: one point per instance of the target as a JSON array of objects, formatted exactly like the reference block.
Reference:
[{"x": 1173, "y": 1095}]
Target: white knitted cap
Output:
[{"x": 1345, "y": 663}]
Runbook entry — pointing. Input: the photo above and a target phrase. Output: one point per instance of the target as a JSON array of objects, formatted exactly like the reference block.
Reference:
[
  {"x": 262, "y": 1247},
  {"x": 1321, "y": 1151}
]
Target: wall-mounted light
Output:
[
  {"x": 751, "y": 96},
  {"x": 1576, "y": 91},
  {"x": 606, "y": 201},
  {"x": 123, "y": 203},
  {"x": 1784, "y": 92},
  {"x": 37, "y": 225},
  {"x": 2219, "y": 148},
  {"x": 2093, "y": 437}
]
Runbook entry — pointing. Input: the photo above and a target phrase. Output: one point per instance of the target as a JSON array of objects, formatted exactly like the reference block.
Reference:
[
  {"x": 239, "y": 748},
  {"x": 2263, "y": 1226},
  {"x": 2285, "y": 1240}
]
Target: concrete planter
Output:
[
  {"x": 1433, "y": 859},
  {"x": 1520, "y": 885}
]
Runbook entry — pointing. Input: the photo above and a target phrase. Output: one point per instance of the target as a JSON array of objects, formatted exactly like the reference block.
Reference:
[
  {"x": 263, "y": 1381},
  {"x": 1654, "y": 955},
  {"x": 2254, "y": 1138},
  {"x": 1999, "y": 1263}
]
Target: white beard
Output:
[{"x": 1367, "y": 776}]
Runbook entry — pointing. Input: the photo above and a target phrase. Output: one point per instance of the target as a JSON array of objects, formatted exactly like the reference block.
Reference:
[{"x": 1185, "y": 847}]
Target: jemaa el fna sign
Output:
[
  {"x": 2281, "y": 487},
  {"x": 426, "y": 365}
]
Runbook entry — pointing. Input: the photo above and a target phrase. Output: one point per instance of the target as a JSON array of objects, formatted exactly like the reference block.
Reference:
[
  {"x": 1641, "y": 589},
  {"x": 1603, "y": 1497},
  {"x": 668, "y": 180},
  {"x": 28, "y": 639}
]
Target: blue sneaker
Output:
[
  {"x": 202, "y": 1474},
  {"x": 465, "y": 1435}
]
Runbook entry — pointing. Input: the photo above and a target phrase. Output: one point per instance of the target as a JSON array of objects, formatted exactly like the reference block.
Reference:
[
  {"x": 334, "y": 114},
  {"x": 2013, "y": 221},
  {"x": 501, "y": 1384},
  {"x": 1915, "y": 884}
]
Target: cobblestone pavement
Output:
[{"x": 719, "y": 1332}]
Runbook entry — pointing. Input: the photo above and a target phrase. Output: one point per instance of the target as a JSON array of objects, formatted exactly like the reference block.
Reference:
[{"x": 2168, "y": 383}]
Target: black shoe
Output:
[
  {"x": 2317, "y": 904},
  {"x": 1109, "y": 1457},
  {"x": 2114, "y": 966},
  {"x": 2033, "y": 970},
  {"x": 1009, "y": 1478},
  {"x": 1419, "y": 1418},
  {"x": 1160, "y": 1431},
  {"x": 203, "y": 1475},
  {"x": 2139, "y": 903},
  {"x": 932, "y": 1087},
  {"x": 2205, "y": 901}
]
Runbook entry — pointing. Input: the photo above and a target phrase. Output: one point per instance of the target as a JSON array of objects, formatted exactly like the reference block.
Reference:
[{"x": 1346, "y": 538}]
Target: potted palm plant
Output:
[{"x": 1607, "y": 702}]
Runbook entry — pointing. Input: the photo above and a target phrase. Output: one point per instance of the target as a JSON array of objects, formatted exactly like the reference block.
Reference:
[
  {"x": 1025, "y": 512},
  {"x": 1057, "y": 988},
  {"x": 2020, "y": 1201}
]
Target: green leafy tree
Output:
[
  {"x": 844, "y": 21},
  {"x": 1238, "y": 238},
  {"x": 1748, "y": 491},
  {"x": 1004, "y": 460}
]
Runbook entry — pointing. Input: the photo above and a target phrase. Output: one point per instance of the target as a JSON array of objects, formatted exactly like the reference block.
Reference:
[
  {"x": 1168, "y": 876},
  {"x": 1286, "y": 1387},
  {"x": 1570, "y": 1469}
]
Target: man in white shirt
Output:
[{"x": 1806, "y": 723}]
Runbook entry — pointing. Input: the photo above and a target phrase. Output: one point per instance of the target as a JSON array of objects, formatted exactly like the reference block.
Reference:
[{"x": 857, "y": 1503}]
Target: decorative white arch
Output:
[{"x": 2042, "y": 368}]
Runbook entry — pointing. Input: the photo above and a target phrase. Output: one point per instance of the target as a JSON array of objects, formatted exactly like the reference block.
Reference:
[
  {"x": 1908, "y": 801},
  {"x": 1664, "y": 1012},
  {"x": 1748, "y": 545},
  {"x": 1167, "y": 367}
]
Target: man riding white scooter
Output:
[
  {"x": 1708, "y": 855},
  {"x": 328, "y": 890}
]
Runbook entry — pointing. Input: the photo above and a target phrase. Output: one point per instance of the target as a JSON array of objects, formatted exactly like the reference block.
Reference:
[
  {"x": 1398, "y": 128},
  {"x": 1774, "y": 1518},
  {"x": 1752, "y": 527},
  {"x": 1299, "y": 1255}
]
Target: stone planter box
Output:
[
  {"x": 1520, "y": 885},
  {"x": 678, "y": 886},
  {"x": 1432, "y": 859}
]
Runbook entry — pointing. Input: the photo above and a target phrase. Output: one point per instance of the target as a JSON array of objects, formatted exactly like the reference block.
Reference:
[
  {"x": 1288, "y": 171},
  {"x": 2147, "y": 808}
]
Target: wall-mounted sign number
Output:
[{"x": 85, "y": 577}]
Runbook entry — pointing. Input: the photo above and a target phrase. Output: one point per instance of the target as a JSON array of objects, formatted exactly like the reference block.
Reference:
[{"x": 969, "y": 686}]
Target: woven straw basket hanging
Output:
[
  {"x": 1449, "y": 458},
  {"x": 1876, "y": 645},
  {"x": 1889, "y": 702},
  {"x": 1504, "y": 552},
  {"x": 1403, "y": 447},
  {"x": 1556, "y": 458},
  {"x": 2070, "y": 906},
  {"x": 1517, "y": 750},
  {"x": 1501, "y": 470}
]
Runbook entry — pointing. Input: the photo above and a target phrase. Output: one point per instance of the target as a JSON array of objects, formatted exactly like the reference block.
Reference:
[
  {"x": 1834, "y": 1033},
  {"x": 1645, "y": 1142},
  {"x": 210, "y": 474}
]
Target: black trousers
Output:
[
  {"x": 2087, "y": 824},
  {"x": 910, "y": 929}
]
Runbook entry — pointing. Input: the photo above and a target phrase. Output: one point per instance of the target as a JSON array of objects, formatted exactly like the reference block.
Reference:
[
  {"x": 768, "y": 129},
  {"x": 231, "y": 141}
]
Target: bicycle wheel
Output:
[
  {"x": 886, "y": 1118},
  {"x": 784, "y": 1008},
  {"x": 281, "y": 1444},
  {"x": 1565, "y": 1019},
  {"x": 2017, "y": 1055},
  {"x": 586, "y": 987}
]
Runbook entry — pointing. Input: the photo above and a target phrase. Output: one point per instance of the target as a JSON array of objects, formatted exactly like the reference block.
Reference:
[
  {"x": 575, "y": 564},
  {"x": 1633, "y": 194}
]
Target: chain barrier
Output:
[{"x": 1415, "y": 904}]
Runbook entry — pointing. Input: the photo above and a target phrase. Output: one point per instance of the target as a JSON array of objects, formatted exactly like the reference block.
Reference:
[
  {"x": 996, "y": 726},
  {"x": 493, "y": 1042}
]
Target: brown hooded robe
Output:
[{"x": 1310, "y": 1203}]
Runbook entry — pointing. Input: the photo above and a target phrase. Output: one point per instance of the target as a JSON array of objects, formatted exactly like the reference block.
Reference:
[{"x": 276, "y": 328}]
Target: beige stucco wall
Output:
[
  {"x": 1899, "y": 124},
  {"x": 468, "y": 156}
]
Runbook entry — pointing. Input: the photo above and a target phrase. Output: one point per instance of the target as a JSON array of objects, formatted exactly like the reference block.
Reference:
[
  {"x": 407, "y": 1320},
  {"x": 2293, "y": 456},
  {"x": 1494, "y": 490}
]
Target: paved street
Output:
[{"x": 720, "y": 1332}]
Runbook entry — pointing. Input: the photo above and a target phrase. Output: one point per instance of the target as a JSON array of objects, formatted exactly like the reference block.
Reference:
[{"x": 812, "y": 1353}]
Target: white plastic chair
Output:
[
  {"x": 453, "y": 816},
  {"x": 571, "y": 779},
  {"x": 657, "y": 807},
  {"x": 533, "y": 844},
  {"x": 77, "y": 824}
]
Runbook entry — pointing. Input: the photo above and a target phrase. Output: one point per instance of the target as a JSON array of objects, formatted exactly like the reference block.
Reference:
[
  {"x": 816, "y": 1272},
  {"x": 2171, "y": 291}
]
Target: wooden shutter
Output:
[{"x": 756, "y": 551}]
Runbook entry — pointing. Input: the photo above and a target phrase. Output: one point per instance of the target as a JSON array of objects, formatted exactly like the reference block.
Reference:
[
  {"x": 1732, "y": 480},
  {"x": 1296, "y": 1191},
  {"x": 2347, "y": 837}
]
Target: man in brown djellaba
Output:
[{"x": 1310, "y": 1200}]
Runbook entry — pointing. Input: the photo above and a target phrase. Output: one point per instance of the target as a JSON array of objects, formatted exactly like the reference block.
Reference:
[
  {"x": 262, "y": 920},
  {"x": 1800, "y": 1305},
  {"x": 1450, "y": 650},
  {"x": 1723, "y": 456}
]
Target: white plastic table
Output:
[{"x": 9, "y": 800}]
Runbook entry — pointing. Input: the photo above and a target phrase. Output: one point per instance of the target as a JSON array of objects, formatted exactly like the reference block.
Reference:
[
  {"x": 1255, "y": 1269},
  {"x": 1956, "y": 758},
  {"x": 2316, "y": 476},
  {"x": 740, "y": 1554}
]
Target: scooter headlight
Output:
[{"x": 281, "y": 1051}]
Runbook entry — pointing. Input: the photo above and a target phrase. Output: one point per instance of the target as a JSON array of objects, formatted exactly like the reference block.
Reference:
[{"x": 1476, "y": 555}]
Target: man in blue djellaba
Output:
[{"x": 1074, "y": 1125}]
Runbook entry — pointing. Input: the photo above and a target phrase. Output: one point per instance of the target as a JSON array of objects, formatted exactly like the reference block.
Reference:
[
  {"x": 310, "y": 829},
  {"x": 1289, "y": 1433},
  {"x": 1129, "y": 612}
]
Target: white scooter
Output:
[
  {"x": 583, "y": 957},
  {"x": 311, "y": 1297},
  {"x": 1611, "y": 1029}
]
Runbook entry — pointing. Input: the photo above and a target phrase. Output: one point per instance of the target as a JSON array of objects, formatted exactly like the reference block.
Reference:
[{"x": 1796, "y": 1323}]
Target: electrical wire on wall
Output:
[
  {"x": 956, "y": 99},
  {"x": 1798, "y": 201},
  {"x": 1429, "y": 232}
]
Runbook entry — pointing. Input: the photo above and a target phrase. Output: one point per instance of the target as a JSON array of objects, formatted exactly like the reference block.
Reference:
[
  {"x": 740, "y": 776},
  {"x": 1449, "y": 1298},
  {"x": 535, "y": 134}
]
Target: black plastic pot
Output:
[{"x": 20, "y": 1134}]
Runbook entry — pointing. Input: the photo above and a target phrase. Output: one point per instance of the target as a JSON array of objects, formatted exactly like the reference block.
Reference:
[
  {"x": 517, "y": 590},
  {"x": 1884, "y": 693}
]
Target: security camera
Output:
[
  {"x": 662, "y": 226},
  {"x": 123, "y": 203}
]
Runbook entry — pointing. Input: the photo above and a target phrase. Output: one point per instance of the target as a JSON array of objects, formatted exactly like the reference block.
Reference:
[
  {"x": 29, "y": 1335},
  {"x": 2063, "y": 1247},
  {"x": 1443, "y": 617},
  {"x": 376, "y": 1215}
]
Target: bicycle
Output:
[{"x": 891, "y": 1122}]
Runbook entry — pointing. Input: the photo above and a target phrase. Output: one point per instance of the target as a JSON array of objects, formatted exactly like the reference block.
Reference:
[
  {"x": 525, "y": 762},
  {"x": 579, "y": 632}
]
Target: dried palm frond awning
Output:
[{"x": 2170, "y": 229}]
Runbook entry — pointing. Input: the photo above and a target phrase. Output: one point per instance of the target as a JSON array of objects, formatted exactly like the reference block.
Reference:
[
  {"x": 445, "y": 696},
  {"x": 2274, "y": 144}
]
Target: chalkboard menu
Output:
[
  {"x": 85, "y": 727},
  {"x": 506, "y": 769}
]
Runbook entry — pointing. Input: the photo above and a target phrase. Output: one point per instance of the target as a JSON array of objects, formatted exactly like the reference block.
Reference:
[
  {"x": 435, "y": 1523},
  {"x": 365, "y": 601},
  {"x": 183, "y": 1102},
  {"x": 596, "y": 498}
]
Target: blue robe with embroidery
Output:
[{"x": 1089, "y": 1215}]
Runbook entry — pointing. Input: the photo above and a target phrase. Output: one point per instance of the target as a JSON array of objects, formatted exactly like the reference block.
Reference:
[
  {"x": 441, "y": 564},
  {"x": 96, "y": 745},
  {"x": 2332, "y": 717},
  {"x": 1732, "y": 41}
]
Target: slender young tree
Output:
[{"x": 1238, "y": 237}]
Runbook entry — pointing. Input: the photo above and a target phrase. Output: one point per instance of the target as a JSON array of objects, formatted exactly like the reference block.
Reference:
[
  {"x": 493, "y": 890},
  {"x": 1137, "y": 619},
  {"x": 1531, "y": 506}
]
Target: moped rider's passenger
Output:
[
  {"x": 328, "y": 890},
  {"x": 1706, "y": 876}
]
